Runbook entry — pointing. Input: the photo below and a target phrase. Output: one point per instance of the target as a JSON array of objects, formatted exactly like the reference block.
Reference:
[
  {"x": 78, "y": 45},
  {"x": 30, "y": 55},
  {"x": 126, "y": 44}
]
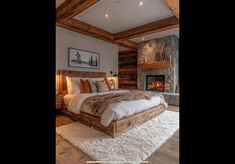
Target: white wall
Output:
[{"x": 65, "y": 38}]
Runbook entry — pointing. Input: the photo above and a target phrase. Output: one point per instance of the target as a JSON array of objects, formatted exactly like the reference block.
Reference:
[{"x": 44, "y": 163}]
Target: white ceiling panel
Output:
[{"x": 124, "y": 14}]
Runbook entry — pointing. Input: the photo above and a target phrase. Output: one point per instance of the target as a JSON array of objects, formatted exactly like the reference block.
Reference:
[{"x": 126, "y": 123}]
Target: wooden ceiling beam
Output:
[
  {"x": 127, "y": 44},
  {"x": 90, "y": 30},
  {"x": 84, "y": 28},
  {"x": 71, "y": 8},
  {"x": 154, "y": 27},
  {"x": 173, "y": 5}
]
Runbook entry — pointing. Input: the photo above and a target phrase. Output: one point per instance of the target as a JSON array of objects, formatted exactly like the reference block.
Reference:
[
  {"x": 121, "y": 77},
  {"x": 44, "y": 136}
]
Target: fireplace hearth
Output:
[{"x": 155, "y": 83}]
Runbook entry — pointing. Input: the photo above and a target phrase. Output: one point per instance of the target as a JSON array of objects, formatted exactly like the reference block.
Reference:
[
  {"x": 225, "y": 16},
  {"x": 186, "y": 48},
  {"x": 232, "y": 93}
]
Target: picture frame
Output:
[{"x": 83, "y": 59}]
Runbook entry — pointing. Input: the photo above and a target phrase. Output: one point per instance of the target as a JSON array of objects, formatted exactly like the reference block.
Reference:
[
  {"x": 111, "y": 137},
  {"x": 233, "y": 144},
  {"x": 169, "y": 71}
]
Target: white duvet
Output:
[{"x": 115, "y": 110}]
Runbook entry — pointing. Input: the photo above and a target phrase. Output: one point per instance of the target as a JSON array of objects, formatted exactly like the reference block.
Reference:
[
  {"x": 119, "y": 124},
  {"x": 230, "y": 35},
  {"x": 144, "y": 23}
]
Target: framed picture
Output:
[{"x": 83, "y": 59}]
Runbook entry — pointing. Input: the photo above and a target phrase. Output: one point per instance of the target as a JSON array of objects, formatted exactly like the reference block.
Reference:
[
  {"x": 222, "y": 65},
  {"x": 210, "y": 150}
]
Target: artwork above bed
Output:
[{"x": 83, "y": 59}]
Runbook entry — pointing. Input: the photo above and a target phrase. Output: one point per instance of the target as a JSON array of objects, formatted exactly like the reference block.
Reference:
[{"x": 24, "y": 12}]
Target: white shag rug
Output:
[{"x": 136, "y": 144}]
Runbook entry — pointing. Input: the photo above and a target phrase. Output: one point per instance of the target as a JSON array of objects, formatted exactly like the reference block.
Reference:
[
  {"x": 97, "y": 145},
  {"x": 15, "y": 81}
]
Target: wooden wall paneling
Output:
[{"x": 127, "y": 70}]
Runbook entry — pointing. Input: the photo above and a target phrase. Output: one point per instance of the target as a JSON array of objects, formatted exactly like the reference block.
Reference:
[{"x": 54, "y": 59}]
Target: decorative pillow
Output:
[
  {"x": 85, "y": 86},
  {"x": 73, "y": 85},
  {"x": 102, "y": 86},
  {"x": 92, "y": 84}
]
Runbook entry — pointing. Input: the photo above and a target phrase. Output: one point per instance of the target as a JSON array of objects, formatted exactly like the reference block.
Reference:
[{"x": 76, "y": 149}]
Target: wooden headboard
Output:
[{"x": 83, "y": 74}]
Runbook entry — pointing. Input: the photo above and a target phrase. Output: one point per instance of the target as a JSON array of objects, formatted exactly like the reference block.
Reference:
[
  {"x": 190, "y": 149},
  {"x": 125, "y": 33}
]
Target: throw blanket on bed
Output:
[{"x": 97, "y": 104}]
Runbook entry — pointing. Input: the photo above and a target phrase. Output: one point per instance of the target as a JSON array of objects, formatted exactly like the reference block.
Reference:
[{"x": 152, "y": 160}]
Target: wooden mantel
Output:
[{"x": 155, "y": 64}]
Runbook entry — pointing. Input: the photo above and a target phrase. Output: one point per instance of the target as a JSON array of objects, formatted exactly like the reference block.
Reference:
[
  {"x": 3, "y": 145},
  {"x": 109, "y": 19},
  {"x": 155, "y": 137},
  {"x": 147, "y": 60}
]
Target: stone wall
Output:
[{"x": 147, "y": 51}]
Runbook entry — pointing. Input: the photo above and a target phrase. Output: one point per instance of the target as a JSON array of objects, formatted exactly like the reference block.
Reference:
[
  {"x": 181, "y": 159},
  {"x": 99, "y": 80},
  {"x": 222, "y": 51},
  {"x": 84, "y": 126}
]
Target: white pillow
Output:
[{"x": 73, "y": 85}]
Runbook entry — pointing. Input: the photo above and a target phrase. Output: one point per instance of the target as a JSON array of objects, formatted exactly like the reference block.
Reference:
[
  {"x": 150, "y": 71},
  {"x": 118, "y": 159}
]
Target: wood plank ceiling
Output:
[{"x": 66, "y": 12}]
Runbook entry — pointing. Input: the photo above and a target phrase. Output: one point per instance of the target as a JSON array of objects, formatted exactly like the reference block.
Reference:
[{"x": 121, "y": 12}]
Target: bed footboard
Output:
[{"x": 118, "y": 126}]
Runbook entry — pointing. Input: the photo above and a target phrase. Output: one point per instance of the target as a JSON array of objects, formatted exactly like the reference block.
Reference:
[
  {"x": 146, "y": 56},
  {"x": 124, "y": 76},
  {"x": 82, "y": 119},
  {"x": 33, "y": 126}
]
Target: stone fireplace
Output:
[
  {"x": 155, "y": 83},
  {"x": 149, "y": 50}
]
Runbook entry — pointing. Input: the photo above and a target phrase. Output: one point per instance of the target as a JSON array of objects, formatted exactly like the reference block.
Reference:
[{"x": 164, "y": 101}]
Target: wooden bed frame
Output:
[{"x": 115, "y": 127}]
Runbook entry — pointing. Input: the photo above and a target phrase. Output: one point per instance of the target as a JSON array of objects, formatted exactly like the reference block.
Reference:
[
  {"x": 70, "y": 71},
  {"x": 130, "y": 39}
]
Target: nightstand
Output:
[{"x": 59, "y": 100}]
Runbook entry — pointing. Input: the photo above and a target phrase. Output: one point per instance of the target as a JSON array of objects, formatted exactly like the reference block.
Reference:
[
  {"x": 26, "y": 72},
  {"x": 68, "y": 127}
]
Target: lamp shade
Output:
[{"x": 113, "y": 82}]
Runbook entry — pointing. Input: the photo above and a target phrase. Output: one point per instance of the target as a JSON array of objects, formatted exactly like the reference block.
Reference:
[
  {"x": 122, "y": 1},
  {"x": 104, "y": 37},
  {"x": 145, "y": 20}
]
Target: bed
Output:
[{"x": 112, "y": 127}]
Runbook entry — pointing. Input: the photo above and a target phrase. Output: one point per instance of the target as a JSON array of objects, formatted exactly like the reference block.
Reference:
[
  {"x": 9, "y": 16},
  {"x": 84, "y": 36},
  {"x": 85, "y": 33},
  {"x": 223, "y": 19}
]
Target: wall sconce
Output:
[
  {"x": 113, "y": 74},
  {"x": 113, "y": 80}
]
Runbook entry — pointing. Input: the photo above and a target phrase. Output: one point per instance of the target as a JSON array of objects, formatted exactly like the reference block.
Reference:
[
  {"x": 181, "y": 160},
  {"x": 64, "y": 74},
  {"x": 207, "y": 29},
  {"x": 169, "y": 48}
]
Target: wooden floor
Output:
[{"x": 68, "y": 154}]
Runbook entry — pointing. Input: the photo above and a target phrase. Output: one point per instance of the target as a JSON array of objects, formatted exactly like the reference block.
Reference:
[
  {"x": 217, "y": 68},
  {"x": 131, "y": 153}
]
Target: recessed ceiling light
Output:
[
  {"x": 142, "y": 38},
  {"x": 141, "y": 3},
  {"x": 106, "y": 15}
]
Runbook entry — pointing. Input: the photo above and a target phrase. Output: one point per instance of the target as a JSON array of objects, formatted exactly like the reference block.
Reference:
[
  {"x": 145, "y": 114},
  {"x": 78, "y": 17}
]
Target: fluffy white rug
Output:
[{"x": 136, "y": 144}]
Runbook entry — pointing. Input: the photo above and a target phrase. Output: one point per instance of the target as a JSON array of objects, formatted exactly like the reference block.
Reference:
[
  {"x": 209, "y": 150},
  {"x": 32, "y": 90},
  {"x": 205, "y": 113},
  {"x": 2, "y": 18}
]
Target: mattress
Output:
[{"x": 114, "y": 111}]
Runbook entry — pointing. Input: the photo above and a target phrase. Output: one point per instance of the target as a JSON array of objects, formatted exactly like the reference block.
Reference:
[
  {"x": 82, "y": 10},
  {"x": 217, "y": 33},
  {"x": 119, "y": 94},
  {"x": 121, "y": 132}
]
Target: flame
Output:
[{"x": 156, "y": 84}]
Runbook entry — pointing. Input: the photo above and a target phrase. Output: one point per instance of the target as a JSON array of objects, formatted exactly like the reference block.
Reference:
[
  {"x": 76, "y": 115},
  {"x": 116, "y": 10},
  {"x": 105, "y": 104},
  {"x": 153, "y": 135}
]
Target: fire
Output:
[{"x": 156, "y": 84}]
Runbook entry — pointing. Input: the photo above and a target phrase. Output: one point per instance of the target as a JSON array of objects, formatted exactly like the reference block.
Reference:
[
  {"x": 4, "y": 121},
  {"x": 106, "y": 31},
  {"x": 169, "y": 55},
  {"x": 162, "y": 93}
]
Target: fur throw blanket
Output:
[{"x": 97, "y": 104}]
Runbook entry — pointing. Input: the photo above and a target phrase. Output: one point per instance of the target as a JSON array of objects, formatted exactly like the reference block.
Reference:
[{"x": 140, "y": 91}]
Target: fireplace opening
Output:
[{"x": 155, "y": 83}]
